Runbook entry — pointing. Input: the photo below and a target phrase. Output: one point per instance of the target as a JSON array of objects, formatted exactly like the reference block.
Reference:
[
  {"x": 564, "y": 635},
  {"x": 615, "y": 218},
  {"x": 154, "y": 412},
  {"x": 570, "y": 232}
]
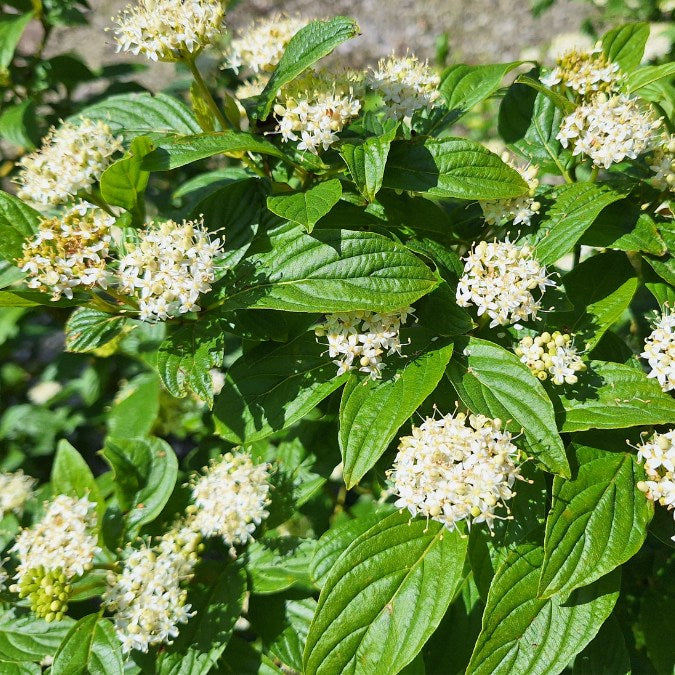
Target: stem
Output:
[
  {"x": 192, "y": 64},
  {"x": 594, "y": 173}
]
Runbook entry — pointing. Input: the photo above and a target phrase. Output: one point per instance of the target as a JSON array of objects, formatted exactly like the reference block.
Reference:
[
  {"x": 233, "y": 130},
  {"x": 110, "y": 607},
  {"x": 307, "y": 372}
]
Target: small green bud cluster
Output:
[
  {"x": 47, "y": 590},
  {"x": 551, "y": 355}
]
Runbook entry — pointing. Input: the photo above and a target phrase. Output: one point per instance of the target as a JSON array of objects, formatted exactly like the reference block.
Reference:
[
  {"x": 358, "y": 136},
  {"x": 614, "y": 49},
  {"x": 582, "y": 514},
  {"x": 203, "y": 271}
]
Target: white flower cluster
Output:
[
  {"x": 147, "y": 597},
  {"x": 658, "y": 457},
  {"x": 499, "y": 278},
  {"x": 260, "y": 46},
  {"x": 663, "y": 165},
  {"x": 65, "y": 539},
  {"x": 253, "y": 87},
  {"x": 584, "y": 71},
  {"x": 15, "y": 489},
  {"x": 362, "y": 338},
  {"x": 455, "y": 468},
  {"x": 405, "y": 84},
  {"x": 519, "y": 209},
  {"x": 164, "y": 30},
  {"x": 551, "y": 354},
  {"x": 317, "y": 107},
  {"x": 68, "y": 252},
  {"x": 71, "y": 159},
  {"x": 660, "y": 351},
  {"x": 230, "y": 498},
  {"x": 168, "y": 268},
  {"x": 609, "y": 130}
]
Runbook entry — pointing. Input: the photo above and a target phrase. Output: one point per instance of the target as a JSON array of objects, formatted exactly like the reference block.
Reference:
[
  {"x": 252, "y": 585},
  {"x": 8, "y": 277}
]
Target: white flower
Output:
[
  {"x": 253, "y": 87},
  {"x": 43, "y": 392},
  {"x": 168, "y": 268},
  {"x": 551, "y": 355},
  {"x": 405, "y": 84},
  {"x": 499, "y": 278},
  {"x": 15, "y": 489},
  {"x": 163, "y": 30},
  {"x": 455, "y": 468},
  {"x": 659, "y": 42},
  {"x": 261, "y": 45},
  {"x": 68, "y": 252},
  {"x": 230, "y": 498},
  {"x": 585, "y": 71},
  {"x": 65, "y": 539},
  {"x": 609, "y": 130},
  {"x": 518, "y": 209},
  {"x": 658, "y": 457},
  {"x": 360, "y": 339},
  {"x": 663, "y": 165},
  {"x": 71, "y": 159},
  {"x": 660, "y": 351}
]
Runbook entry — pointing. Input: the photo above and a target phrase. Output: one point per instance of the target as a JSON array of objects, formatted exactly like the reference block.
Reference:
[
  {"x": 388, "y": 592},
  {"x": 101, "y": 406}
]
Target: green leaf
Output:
[
  {"x": 451, "y": 167},
  {"x": 557, "y": 99},
  {"x": 19, "y": 668},
  {"x": 145, "y": 472},
  {"x": 597, "y": 521},
  {"x": 18, "y": 124},
  {"x": 29, "y": 639},
  {"x": 18, "y": 222},
  {"x": 648, "y": 75},
  {"x": 614, "y": 396},
  {"x": 88, "y": 329},
  {"x": 272, "y": 386},
  {"x": 142, "y": 115},
  {"x": 525, "y": 634},
  {"x": 327, "y": 271},
  {"x": 277, "y": 563},
  {"x": 366, "y": 162},
  {"x": 72, "y": 476},
  {"x": 493, "y": 382},
  {"x": 11, "y": 30},
  {"x": 173, "y": 151},
  {"x": 308, "y": 45},
  {"x": 289, "y": 644},
  {"x": 90, "y": 648},
  {"x": 384, "y": 597},
  {"x": 575, "y": 209},
  {"x": 135, "y": 407},
  {"x": 372, "y": 412},
  {"x": 307, "y": 207},
  {"x": 606, "y": 654},
  {"x": 625, "y": 44}
]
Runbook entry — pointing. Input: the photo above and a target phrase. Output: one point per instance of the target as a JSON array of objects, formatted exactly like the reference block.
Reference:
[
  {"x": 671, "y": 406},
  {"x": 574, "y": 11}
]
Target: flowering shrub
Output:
[{"x": 348, "y": 391}]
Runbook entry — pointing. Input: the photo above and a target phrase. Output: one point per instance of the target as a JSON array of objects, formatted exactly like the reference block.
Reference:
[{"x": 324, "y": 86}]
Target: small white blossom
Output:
[
  {"x": 253, "y": 87},
  {"x": 65, "y": 539},
  {"x": 164, "y": 30},
  {"x": 43, "y": 392},
  {"x": 586, "y": 72},
  {"x": 361, "y": 339},
  {"x": 663, "y": 165},
  {"x": 660, "y": 351},
  {"x": 230, "y": 498},
  {"x": 551, "y": 355},
  {"x": 499, "y": 278},
  {"x": 609, "y": 130},
  {"x": 71, "y": 159},
  {"x": 405, "y": 84},
  {"x": 168, "y": 268},
  {"x": 15, "y": 489},
  {"x": 455, "y": 468},
  {"x": 659, "y": 42}
]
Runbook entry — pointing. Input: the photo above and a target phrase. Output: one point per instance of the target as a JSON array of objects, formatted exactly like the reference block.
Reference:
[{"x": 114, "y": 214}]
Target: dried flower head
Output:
[
  {"x": 660, "y": 351},
  {"x": 499, "y": 278},
  {"x": 164, "y": 30},
  {"x": 584, "y": 71},
  {"x": 456, "y": 468},
  {"x": 71, "y": 159},
  {"x": 168, "y": 268},
  {"x": 663, "y": 164},
  {"x": 551, "y": 355},
  {"x": 406, "y": 85},
  {"x": 69, "y": 252},
  {"x": 361, "y": 339},
  {"x": 609, "y": 130},
  {"x": 15, "y": 490},
  {"x": 230, "y": 498}
]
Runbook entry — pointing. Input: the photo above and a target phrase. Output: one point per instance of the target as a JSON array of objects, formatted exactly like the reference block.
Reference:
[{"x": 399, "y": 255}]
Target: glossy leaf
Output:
[
  {"x": 625, "y": 44},
  {"x": 135, "y": 408},
  {"x": 30, "y": 639},
  {"x": 88, "y": 329},
  {"x": 307, "y": 207},
  {"x": 72, "y": 476},
  {"x": 12, "y": 27},
  {"x": 367, "y": 161},
  {"x": 277, "y": 563},
  {"x": 18, "y": 222}
]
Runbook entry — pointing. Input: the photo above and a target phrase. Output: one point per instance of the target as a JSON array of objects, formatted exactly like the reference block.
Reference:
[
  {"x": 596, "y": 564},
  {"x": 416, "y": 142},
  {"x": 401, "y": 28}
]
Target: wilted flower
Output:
[
  {"x": 15, "y": 489},
  {"x": 551, "y": 355},
  {"x": 660, "y": 351},
  {"x": 584, "y": 71}
]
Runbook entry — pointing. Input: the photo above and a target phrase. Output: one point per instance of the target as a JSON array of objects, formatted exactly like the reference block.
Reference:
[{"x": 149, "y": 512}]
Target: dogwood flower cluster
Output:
[
  {"x": 231, "y": 498},
  {"x": 660, "y": 351},
  {"x": 71, "y": 159},
  {"x": 609, "y": 130},
  {"x": 658, "y": 457},
  {"x": 455, "y": 468},
  {"x": 164, "y": 30},
  {"x": 168, "y": 268},
  {"x": 518, "y": 209},
  {"x": 551, "y": 355},
  {"x": 361, "y": 339},
  {"x": 584, "y": 71},
  {"x": 260, "y": 46},
  {"x": 147, "y": 598},
  {"x": 663, "y": 165},
  {"x": 15, "y": 490},
  {"x": 69, "y": 252},
  {"x": 315, "y": 108},
  {"x": 252, "y": 87},
  {"x": 499, "y": 278}
]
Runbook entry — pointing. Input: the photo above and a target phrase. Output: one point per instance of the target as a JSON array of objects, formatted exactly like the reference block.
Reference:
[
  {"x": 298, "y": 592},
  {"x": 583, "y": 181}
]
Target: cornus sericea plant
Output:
[{"x": 316, "y": 369}]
